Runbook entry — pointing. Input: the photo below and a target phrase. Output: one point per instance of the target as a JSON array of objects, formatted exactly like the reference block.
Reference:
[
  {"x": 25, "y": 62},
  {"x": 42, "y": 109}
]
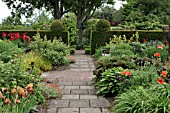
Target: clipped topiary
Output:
[
  {"x": 103, "y": 25},
  {"x": 57, "y": 26}
]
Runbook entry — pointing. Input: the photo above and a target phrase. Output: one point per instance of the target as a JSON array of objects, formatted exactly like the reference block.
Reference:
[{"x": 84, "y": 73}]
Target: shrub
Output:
[
  {"x": 37, "y": 58},
  {"x": 103, "y": 25},
  {"x": 56, "y": 51},
  {"x": 57, "y": 26},
  {"x": 112, "y": 80},
  {"x": 8, "y": 50},
  {"x": 87, "y": 51}
]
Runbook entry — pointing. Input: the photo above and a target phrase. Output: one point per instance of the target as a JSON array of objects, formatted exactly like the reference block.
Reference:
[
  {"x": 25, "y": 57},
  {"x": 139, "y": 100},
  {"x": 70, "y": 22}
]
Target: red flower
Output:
[
  {"x": 17, "y": 35},
  {"x": 166, "y": 42},
  {"x": 160, "y": 81},
  {"x": 126, "y": 73},
  {"x": 157, "y": 55},
  {"x": 164, "y": 74},
  {"x": 3, "y": 34},
  {"x": 144, "y": 40}
]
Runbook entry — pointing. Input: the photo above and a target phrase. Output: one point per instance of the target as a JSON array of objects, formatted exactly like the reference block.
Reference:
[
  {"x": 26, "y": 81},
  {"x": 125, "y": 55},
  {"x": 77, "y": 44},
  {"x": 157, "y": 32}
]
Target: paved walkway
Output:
[{"x": 78, "y": 92}]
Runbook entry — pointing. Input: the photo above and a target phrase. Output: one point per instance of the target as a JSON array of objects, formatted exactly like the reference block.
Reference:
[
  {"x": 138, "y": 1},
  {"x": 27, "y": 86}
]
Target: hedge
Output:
[
  {"x": 50, "y": 35},
  {"x": 98, "y": 39}
]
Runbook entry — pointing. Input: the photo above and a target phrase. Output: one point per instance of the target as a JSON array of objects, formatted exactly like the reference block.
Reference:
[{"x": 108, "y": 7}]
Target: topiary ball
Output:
[
  {"x": 57, "y": 26},
  {"x": 103, "y": 25}
]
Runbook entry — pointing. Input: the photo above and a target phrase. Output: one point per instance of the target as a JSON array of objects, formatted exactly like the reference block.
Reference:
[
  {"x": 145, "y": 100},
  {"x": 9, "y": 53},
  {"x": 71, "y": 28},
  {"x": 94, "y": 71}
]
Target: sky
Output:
[{"x": 5, "y": 12}]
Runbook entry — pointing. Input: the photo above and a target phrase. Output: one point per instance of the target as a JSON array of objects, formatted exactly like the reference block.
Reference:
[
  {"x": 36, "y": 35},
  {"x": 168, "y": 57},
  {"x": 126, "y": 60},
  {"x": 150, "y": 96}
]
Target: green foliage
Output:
[
  {"x": 57, "y": 26},
  {"x": 38, "y": 60},
  {"x": 89, "y": 26},
  {"x": 69, "y": 21},
  {"x": 99, "y": 39},
  {"x": 111, "y": 81},
  {"x": 50, "y": 91},
  {"x": 56, "y": 51},
  {"x": 87, "y": 51},
  {"x": 141, "y": 100},
  {"x": 9, "y": 50},
  {"x": 103, "y": 25}
]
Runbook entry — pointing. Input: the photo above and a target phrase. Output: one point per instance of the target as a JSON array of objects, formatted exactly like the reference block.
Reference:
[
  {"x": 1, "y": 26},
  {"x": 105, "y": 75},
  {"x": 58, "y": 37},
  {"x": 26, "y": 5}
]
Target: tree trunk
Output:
[
  {"x": 80, "y": 29},
  {"x": 57, "y": 13}
]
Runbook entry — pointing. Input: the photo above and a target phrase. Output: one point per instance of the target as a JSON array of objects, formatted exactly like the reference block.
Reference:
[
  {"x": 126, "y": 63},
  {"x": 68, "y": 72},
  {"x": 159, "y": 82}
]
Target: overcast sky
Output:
[{"x": 5, "y": 12}]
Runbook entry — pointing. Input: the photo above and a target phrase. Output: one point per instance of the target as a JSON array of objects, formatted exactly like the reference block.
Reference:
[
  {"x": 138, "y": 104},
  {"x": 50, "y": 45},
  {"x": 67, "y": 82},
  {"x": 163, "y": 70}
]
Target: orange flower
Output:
[
  {"x": 7, "y": 101},
  {"x": 164, "y": 73},
  {"x": 17, "y": 101},
  {"x": 1, "y": 95},
  {"x": 30, "y": 85},
  {"x": 160, "y": 81},
  {"x": 157, "y": 55},
  {"x": 126, "y": 73},
  {"x": 21, "y": 91},
  {"x": 14, "y": 91}
]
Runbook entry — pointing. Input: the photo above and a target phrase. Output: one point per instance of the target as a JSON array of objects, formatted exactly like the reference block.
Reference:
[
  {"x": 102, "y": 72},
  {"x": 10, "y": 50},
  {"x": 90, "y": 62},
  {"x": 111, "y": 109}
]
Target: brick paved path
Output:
[{"x": 78, "y": 92}]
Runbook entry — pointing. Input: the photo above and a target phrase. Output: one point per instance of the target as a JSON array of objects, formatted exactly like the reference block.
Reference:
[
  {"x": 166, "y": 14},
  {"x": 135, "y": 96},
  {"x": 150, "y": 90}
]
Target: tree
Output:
[
  {"x": 84, "y": 10},
  {"x": 11, "y": 21},
  {"x": 26, "y": 7}
]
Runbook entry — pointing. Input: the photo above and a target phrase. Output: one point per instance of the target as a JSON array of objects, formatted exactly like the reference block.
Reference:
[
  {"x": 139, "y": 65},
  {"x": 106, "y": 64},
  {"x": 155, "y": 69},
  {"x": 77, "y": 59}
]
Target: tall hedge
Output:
[
  {"x": 101, "y": 38},
  {"x": 50, "y": 35}
]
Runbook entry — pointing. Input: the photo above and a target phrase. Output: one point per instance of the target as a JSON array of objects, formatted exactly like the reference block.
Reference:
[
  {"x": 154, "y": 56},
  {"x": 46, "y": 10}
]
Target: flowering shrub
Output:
[
  {"x": 112, "y": 81},
  {"x": 56, "y": 51},
  {"x": 19, "y": 84},
  {"x": 20, "y": 40}
]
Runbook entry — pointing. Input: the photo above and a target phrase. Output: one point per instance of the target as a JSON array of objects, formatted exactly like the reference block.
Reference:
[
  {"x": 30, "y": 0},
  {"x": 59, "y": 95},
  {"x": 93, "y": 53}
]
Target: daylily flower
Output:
[
  {"x": 7, "y": 101},
  {"x": 17, "y": 101},
  {"x": 14, "y": 91},
  {"x": 1, "y": 95},
  {"x": 164, "y": 73},
  {"x": 160, "y": 81},
  {"x": 157, "y": 55},
  {"x": 30, "y": 85},
  {"x": 126, "y": 73}
]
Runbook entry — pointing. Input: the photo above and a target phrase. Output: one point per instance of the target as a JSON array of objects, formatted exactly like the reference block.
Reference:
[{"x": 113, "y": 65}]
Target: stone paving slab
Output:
[
  {"x": 103, "y": 103},
  {"x": 66, "y": 91},
  {"x": 56, "y": 103},
  {"x": 71, "y": 87},
  {"x": 79, "y": 92},
  {"x": 70, "y": 97},
  {"x": 87, "y": 87},
  {"x": 83, "y": 83},
  {"x": 92, "y": 91},
  {"x": 88, "y": 97},
  {"x": 52, "y": 110},
  {"x": 65, "y": 83},
  {"x": 79, "y": 103},
  {"x": 90, "y": 110},
  {"x": 68, "y": 110}
]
